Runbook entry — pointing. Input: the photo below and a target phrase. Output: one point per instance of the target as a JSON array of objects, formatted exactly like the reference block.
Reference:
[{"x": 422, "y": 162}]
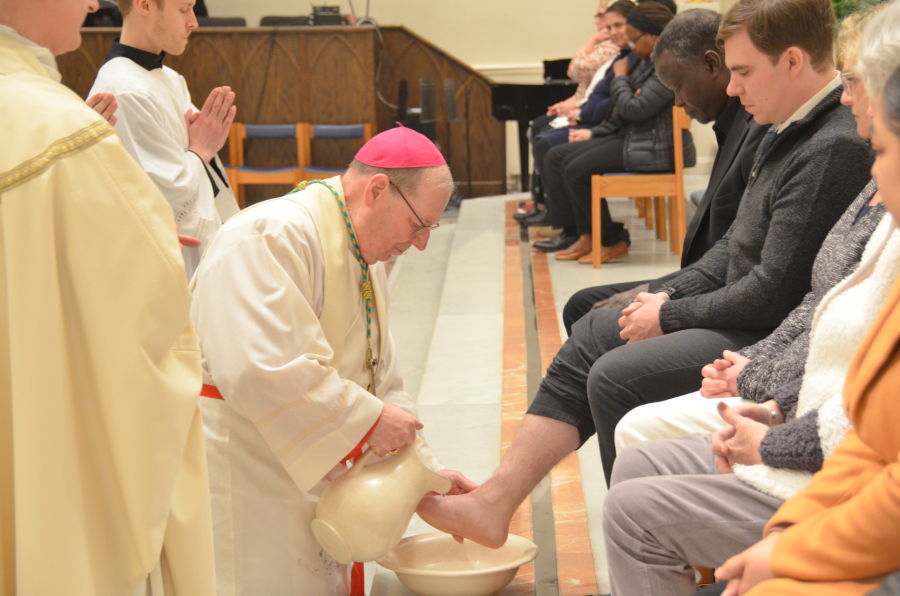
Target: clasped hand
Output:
[
  {"x": 208, "y": 128},
  {"x": 739, "y": 441},
  {"x": 720, "y": 377},
  {"x": 640, "y": 320}
]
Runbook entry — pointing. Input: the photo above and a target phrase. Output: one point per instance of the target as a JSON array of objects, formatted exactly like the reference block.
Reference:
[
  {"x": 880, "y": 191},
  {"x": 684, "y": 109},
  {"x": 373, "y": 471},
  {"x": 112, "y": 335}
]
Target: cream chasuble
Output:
[
  {"x": 150, "y": 117},
  {"x": 282, "y": 325},
  {"x": 102, "y": 463}
]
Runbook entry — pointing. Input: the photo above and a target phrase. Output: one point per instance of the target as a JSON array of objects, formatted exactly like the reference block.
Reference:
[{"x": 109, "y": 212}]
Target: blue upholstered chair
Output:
[{"x": 241, "y": 174}]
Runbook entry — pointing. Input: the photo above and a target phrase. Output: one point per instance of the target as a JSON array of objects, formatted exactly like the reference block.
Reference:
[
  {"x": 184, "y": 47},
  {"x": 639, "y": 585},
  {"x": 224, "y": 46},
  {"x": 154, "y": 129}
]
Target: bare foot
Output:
[{"x": 468, "y": 516}]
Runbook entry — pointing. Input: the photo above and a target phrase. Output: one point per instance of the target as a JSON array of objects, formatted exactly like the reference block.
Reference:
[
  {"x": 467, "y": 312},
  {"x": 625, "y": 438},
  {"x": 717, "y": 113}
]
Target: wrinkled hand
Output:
[
  {"x": 620, "y": 67},
  {"x": 641, "y": 319},
  {"x": 555, "y": 109},
  {"x": 395, "y": 428},
  {"x": 208, "y": 128},
  {"x": 751, "y": 567},
  {"x": 578, "y": 135},
  {"x": 720, "y": 377},
  {"x": 572, "y": 115},
  {"x": 104, "y": 104},
  {"x": 738, "y": 443}
]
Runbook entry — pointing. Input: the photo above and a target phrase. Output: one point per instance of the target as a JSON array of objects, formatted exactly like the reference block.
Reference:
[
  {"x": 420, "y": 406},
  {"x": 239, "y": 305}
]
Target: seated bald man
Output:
[{"x": 290, "y": 303}]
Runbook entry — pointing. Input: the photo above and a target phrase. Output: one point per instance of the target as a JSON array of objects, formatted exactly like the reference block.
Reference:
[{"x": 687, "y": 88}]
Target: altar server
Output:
[
  {"x": 174, "y": 142},
  {"x": 103, "y": 484},
  {"x": 291, "y": 304}
]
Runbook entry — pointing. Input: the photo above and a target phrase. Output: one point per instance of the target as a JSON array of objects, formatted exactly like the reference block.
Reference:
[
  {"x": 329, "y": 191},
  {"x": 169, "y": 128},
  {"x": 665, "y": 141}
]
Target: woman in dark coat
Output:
[{"x": 635, "y": 136}]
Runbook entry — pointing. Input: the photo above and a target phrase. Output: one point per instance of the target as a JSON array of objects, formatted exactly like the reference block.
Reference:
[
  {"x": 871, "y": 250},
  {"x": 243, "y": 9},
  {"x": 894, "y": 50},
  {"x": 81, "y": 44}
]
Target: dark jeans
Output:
[
  {"x": 567, "y": 172},
  {"x": 596, "y": 378},
  {"x": 547, "y": 140}
]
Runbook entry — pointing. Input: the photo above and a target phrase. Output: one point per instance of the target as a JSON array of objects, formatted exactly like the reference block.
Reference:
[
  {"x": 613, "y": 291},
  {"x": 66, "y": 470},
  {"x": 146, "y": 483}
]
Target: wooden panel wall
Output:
[
  {"x": 323, "y": 75},
  {"x": 482, "y": 157}
]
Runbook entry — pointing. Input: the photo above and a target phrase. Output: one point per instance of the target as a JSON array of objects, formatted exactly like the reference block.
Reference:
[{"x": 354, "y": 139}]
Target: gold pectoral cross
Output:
[{"x": 369, "y": 366}]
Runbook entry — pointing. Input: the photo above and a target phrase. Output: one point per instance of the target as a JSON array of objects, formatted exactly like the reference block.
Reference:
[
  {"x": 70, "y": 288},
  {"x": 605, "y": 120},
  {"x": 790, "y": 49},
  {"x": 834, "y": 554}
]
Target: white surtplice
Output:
[
  {"x": 152, "y": 104},
  {"x": 282, "y": 325}
]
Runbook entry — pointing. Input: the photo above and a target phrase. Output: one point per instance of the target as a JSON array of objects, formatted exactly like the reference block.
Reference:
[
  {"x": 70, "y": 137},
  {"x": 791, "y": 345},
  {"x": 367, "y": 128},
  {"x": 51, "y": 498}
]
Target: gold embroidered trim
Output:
[{"x": 71, "y": 145}]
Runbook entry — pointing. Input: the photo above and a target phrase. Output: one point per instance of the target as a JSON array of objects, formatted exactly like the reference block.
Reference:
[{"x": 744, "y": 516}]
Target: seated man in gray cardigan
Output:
[
  {"x": 690, "y": 63},
  {"x": 808, "y": 170}
]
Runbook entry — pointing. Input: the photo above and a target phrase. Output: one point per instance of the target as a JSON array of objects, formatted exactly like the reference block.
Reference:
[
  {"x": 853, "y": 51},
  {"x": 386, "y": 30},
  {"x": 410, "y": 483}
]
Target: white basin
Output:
[{"x": 436, "y": 565}]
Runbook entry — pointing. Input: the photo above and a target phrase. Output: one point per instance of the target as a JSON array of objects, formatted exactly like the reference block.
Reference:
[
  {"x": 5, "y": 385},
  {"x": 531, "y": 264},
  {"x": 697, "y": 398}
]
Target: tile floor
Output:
[{"x": 458, "y": 324}]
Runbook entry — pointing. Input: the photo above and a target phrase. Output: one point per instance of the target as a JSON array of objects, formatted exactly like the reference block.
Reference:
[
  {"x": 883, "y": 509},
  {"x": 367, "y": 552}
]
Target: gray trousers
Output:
[
  {"x": 595, "y": 378},
  {"x": 670, "y": 510}
]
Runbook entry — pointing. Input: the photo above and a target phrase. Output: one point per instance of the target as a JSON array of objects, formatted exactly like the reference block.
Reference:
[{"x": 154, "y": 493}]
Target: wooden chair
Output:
[
  {"x": 642, "y": 186},
  {"x": 240, "y": 174},
  {"x": 308, "y": 132}
]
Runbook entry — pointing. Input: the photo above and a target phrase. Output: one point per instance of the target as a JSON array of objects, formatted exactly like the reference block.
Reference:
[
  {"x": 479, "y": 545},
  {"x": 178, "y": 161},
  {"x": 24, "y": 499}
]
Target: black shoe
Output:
[
  {"x": 560, "y": 242},
  {"x": 541, "y": 218},
  {"x": 519, "y": 217}
]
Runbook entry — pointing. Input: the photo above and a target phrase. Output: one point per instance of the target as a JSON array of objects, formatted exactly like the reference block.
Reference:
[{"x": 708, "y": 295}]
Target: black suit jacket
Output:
[{"x": 731, "y": 170}]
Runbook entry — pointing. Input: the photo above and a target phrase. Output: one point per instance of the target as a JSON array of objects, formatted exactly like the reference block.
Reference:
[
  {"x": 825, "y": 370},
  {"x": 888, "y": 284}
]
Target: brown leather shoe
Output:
[
  {"x": 572, "y": 255},
  {"x": 611, "y": 252},
  {"x": 587, "y": 259}
]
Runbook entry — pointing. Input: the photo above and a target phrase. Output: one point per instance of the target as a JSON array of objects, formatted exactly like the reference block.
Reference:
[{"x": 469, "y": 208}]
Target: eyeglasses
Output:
[
  {"x": 633, "y": 42},
  {"x": 424, "y": 226},
  {"x": 848, "y": 79}
]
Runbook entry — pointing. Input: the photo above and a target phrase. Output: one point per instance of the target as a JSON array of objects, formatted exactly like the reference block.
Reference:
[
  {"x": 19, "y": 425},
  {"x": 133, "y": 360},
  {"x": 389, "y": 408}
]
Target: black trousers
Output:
[
  {"x": 538, "y": 125},
  {"x": 567, "y": 172},
  {"x": 596, "y": 378}
]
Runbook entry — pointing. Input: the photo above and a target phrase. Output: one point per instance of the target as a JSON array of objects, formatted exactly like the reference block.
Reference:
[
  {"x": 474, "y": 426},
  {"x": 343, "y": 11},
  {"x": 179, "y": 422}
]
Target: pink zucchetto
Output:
[{"x": 400, "y": 148}]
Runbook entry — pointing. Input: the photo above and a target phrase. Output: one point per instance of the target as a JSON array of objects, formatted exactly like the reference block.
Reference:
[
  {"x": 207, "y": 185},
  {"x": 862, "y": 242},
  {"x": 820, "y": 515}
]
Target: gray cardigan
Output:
[
  {"x": 781, "y": 357},
  {"x": 776, "y": 366},
  {"x": 799, "y": 187}
]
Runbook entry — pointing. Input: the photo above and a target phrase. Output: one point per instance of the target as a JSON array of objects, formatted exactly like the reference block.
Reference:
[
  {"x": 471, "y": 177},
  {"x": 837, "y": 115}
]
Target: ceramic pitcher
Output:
[{"x": 363, "y": 514}]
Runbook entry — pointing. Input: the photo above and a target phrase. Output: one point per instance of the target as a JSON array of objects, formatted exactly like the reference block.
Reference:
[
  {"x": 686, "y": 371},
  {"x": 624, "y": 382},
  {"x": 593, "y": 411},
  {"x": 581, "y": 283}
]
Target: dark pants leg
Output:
[
  {"x": 582, "y": 301},
  {"x": 568, "y": 197},
  {"x": 595, "y": 378},
  {"x": 538, "y": 125}
]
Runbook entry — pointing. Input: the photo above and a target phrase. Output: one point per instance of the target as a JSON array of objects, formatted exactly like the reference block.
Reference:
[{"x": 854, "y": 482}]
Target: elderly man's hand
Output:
[
  {"x": 720, "y": 377},
  {"x": 640, "y": 320},
  {"x": 395, "y": 428},
  {"x": 751, "y": 567},
  {"x": 738, "y": 443}
]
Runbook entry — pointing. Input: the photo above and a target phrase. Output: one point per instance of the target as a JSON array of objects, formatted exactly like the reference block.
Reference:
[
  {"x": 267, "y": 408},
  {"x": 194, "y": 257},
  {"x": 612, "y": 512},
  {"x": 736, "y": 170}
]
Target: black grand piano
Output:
[{"x": 524, "y": 103}]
